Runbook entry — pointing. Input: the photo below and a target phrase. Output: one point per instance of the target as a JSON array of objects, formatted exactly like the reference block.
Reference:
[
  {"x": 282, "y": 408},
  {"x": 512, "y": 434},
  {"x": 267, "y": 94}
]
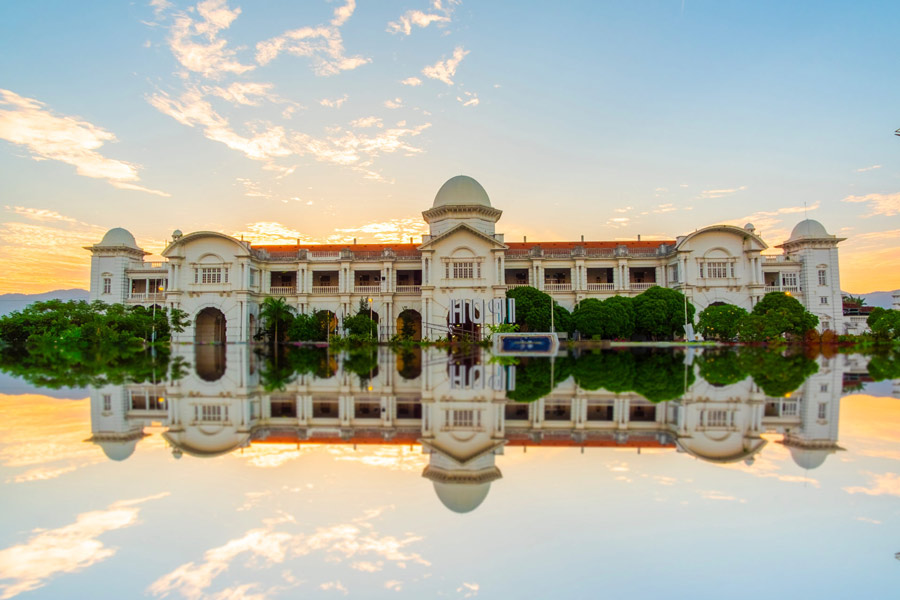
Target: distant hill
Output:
[
  {"x": 882, "y": 299},
  {"x": 13, "y": 302}
]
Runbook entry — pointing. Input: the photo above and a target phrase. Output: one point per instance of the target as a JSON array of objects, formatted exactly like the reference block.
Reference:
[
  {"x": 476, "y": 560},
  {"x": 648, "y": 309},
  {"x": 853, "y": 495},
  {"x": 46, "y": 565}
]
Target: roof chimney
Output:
[
  {"x": 582, "y": 239},
  {"x": 354, "y": 240},
  {"x": 639, "y": 237},
  {"x": 524, "y": 238}
]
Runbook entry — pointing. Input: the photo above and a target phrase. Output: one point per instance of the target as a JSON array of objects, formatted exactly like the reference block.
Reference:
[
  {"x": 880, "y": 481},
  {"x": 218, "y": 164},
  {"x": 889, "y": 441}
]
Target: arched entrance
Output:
[
  {"x": 409, "y": 325},
  {"x": 210, "y": 327},
  {"x": 328, "y": 323},
  {"x": 209, "y": 362}
]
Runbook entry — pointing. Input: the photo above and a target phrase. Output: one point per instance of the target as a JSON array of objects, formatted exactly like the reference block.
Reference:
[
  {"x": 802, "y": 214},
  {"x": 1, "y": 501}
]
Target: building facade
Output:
[{"x": 459, "y": 271}]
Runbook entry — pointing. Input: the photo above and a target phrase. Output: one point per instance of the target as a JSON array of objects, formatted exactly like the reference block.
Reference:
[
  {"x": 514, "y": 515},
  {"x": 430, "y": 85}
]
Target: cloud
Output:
[
  {"x": 246, "y": 93},
  {"x": 333, "y": 585},
  {"x": 391, "y": 231},
  {"x": 68, "y": 549},
  {"x": 468, "y": 99},
  {"x": 417, "y": 18},
  {"x": 207, "y": 55},
  {"x": 618, "y": 222},
  {"x": 445, "y": 70},
  {"x": 664, "y": 208},
  {"x": 273, "y": 544},
  {"x": 883, "y": 484},
  {"x": 192, "y": 109},
  {"x": 395, "y": 103},
  {"x": 47, "y": 136},
  {"x": 468, "y": 590},
  {"x": 769, "y": 220},
  {"x": 41, "y": 214},
  {"x": 367, "y": 122},
  {"x": 386, "y": 232},
  {"x": 864, "y": 169},
  {"x": 712, "y": 194},
  {"x": 323, "y": 44},
  {"x": 886, "y": 205},
  {"x": 336, "y": 103},
  {"x": 412, "y": 81},
  {"x": 393, "y": 584}
]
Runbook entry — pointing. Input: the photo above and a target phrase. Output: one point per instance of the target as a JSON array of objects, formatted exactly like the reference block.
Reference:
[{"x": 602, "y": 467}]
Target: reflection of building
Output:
[
  {"x": 220, "y": 281},
  {"x": 457, "y": 409}
]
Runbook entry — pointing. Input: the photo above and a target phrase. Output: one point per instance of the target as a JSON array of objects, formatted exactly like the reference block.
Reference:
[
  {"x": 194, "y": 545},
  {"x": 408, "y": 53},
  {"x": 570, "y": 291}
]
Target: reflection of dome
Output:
[
  {"x": 117, "y": 450},
  {"x": 809, "y": 458},
  {"x": 729, "y": 447},
  {"x": 461, "y": 191},
  {"x": 809, "y": 229},
  {"x": 118, "y": 237},
  {"x": 462, "y": 497}
]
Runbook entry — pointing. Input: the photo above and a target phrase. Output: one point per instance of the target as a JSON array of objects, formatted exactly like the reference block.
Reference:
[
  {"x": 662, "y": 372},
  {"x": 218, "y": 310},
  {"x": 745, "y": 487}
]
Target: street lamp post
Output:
[{"x": 370, "y": 308}]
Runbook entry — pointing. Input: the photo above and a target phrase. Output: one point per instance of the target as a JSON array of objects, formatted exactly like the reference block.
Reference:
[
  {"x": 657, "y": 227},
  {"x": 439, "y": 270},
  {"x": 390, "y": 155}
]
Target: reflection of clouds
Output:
[
  {"x": 267, "y": 456},
  {"x": 468, "y": 590},
  {"x": 59, "y": 425},
  {"x": 334, "y": 585},
  {"x": 769, "y": 463},
  {"x": 395, "y": 458},
  {"x": 68, "y": 549},
  {"x": 271, "y": 545},
  {"x": 882, "y": 484}
]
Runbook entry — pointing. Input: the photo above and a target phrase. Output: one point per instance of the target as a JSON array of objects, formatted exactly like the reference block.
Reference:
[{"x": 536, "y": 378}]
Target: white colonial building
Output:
[{"x": 221, "y": 281}]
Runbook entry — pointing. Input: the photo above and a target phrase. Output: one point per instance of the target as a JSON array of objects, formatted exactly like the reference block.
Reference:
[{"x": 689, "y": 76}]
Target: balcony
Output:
[
  {"x": 557, "y": 287},
  {"x": 409, "y": 289},
  {"x": 788, "y": 289},
  {"x": 512, "y": 286},
  {"x": 640, "y": 287},
  {"x": 141, "y": 297},
  {"x": 366, "y": 289},
  {"x": 283, "y": 290},
  {"x": 325, "y": 289},
  {"x": 324, "y": 255},
  {"x": 601, "y": 287}
]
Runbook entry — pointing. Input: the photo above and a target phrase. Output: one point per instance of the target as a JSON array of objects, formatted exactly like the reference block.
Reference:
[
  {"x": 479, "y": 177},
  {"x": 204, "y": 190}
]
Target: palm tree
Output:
[{"x": 277, "y": 314}]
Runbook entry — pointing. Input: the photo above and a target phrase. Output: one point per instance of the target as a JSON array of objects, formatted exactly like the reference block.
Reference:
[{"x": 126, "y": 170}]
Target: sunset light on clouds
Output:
[{"x": 333, "y": 121}]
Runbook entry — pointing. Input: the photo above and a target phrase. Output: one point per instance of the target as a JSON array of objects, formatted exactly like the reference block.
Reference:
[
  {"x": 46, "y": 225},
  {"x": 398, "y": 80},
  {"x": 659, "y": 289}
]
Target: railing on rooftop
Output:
[
  {"x": 599, "y": 252},
  {"x": 370, "y": 255},
  {"x": 517, "y": 253},
  {"x": 324, "y": 254},
  {"x": 642, "y": 252},
  {"x": 557, "y": 253},
  {"x": 148, "y": 265}
]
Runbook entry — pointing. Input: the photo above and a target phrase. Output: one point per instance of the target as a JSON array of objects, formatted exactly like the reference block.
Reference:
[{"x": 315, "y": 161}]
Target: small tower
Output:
[
  {"x": 461, "y": 200},
  {"x": 820, "y": 286},
  {"x": 110, "y": 259}
]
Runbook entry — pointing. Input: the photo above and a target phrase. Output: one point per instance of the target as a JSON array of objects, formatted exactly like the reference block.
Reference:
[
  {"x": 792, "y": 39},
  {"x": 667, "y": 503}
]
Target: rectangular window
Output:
[
  {"x": 789, "y": 279},
  {"x": 107, "y": 402},
  {"x": 252, "y": 277},
  {"x": 822, "y": 408},
  {"x": 211, "y": 275},
  {"x": 210, "y": 412},
  {"x": 717, "y": 270},
  {"x": 823, "y": 387},
  {"x": 822, "y": 279},
  {"x": 717, "y": 418},
  {"x": 823, "y": 300},
  {"x": 107, "y": 285},
  {"x": 674, "y": 277},
  {"x": 463, "y": 270}
]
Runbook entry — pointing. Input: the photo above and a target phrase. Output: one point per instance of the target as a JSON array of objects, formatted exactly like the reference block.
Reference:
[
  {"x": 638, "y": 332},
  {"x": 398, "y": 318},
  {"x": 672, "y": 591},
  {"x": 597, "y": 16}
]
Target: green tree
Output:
[
  {"x": 720, "y": 322},
  {"x": 876, "y": 314},
  {"x": 277, "y": 315},
  {"x": 662, "y": 375},
  {"x": 775, "y": 315},
  {"x": 887, "y": 325},
  {"x": 305, "y": 328},
  {"x": 617, "y": 314},
  {"x": 361, "y": 325},
  {"x": 533, "y": 311},
  {"x": 777, "y": 374},
  {"x": 588, "y": 318},
  {"x": 660, "y": 313}
]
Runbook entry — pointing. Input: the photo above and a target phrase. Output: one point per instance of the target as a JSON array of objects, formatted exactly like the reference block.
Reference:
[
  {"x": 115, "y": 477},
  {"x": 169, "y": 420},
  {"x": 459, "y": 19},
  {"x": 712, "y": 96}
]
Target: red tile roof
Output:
[{"x": 513, "y": 245}]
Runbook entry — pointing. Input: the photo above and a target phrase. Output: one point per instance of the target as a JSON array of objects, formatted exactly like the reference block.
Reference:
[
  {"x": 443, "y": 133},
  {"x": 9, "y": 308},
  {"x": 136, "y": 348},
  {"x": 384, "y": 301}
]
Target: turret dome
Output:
[
  {"x": 809, "y": 229},
  {"x": 462, "y": 497},
  {"x": 461, "y": 191},
  {"x": 118, "y": 236}
]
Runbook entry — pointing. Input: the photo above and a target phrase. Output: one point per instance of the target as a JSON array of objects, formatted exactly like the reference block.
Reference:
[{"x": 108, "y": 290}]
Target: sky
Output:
[{"x": 328, "y": 121}]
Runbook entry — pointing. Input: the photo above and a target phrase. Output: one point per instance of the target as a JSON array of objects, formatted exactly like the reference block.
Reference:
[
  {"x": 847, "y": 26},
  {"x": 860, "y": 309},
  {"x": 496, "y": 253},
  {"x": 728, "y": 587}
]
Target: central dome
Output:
[
  {"x": 461, "y": 191},
  {"x": 118, "y": 237}
]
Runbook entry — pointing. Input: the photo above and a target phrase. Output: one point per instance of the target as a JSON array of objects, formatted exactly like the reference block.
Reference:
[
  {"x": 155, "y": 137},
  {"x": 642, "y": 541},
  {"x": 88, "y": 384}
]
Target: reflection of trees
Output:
[
  {"x": 775, "y": 373},
  {"x": 721, "y": 366},
  {"x": 885, "y": 366},
  {"x": 363, "y": 362},
  {"x": 50, "y": 368},
  {"x": 661, "y": 376},
  {"x": 656, "y": 375},
  {"x": 534, "y": 376}
]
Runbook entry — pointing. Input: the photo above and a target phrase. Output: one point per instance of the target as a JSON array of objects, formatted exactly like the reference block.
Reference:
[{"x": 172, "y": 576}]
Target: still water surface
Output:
[{"x": 237, "y": 477}]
